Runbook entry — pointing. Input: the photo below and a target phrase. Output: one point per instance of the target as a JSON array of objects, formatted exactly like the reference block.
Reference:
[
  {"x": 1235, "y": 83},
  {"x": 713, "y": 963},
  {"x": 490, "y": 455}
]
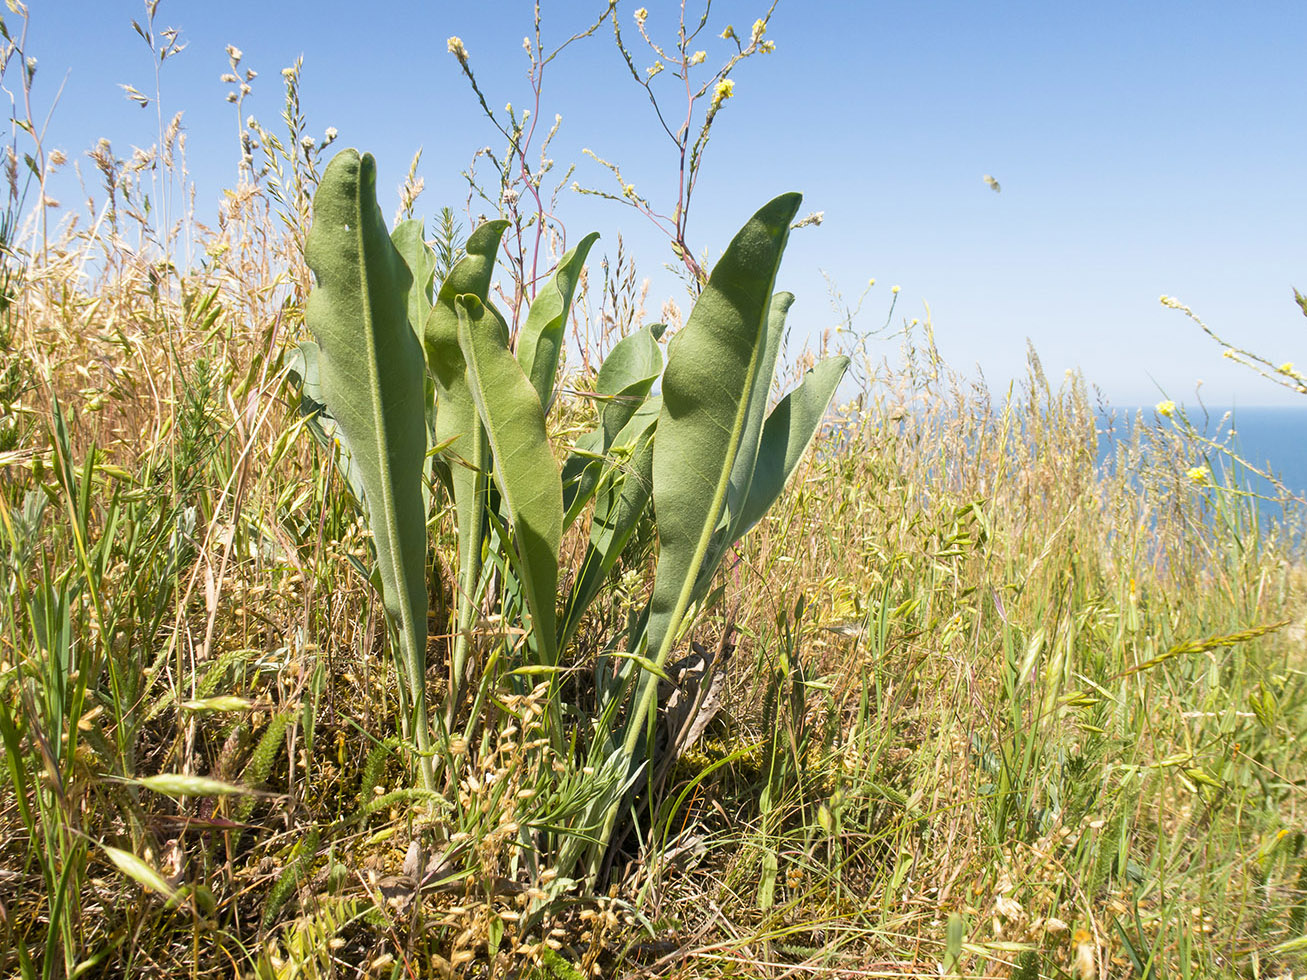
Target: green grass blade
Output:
[{"x": 524, "y": 468}]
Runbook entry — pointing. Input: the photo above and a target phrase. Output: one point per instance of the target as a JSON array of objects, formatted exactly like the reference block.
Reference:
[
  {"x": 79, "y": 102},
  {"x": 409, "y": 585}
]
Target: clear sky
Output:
[{"x": 1142, "y": 149}]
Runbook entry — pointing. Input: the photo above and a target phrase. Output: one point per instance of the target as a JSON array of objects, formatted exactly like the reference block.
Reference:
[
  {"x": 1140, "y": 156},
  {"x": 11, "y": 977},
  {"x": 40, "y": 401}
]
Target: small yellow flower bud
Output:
[
  {"x": 1166, "y": 409},
  {"x": 894, "y": 290},
  {"x": 724, "y": 90}
]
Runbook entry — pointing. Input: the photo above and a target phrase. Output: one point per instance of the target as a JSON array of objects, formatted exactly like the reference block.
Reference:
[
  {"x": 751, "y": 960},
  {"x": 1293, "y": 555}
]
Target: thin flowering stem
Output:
[
  {"x": 1285, "y": 375},
  {"x": 515, "y": 171},
  {"x": 689, "y": 152}
]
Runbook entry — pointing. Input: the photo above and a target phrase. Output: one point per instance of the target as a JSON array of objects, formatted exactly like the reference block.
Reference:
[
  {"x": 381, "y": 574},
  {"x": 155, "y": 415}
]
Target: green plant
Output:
[{"x": 707, "y": 455}]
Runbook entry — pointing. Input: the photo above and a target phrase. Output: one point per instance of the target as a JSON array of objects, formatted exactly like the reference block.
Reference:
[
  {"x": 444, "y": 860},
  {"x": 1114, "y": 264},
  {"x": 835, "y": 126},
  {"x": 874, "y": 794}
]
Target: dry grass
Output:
[{"x": 954, "y": 738}]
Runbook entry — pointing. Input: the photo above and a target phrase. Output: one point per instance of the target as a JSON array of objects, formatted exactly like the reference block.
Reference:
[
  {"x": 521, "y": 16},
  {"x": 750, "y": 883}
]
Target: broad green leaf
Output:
[
  {"x": 724, "y": 535},
  {"x": 139, "y": 871},
  {"x": 421, "y": 262},
  {"x": 303, "y": 368},
  {"x": 524, "y": 469},
  {"x": 623, "y": 383},
  {"x": 745, "y": 462},
  {"x": 622, "y": 499},
  {"x": 626, "y": 377},
  {"x": 786, "y": 436},
  {"x": 540, "y": 342},
  {"x": 458, "y": 425},
  {"x": 712, "y": 371},
  {"x": 708, "y": 387},
  {"x": 370, "y": 368}
]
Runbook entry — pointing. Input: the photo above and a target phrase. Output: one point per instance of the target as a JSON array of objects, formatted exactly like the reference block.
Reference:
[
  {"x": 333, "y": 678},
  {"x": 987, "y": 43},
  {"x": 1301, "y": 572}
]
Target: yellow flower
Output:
[
  {"x": 1166, "y": 409},
  {"x": 455, "y": 45},
  {"x": 640, "y": 16},
  {"x": 894, "y": 290},
  {"x": 729, "y": 33},
  {"x": 698, "y": 57},
  {"x": 1196, "y": 473},
  {"x": 724, "y": 90},
  {"x": 759, "y": 29},
  {"x": 1286, "y": 367}
]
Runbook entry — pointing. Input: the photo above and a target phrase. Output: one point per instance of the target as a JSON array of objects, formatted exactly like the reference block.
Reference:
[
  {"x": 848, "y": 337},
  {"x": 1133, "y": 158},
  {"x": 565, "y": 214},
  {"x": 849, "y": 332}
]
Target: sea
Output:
[{"x": 1274, "y": 439}]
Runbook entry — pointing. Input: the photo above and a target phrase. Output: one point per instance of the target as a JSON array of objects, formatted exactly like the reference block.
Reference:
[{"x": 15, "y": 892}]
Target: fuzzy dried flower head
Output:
[
  {"x": 724, "y": 90},
  {"x": 1166, "y": 408},
  {"x": 234, "y": 53},
  {"x": 1086, "y": 963},
  {"x": 57, "y": 158},
  {"x": 288, "y": 72},
  {"x": 456, "y": 48}
]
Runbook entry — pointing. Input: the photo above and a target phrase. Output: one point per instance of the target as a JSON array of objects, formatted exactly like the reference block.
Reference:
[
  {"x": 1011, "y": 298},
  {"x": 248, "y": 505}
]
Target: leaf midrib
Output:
[{"x": 378, "y": 420}]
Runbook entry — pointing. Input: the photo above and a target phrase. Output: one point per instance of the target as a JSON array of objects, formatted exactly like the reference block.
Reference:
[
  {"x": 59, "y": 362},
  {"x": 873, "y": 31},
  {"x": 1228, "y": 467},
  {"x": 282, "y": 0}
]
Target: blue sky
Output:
[{"x": 1142, "y": 149}]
